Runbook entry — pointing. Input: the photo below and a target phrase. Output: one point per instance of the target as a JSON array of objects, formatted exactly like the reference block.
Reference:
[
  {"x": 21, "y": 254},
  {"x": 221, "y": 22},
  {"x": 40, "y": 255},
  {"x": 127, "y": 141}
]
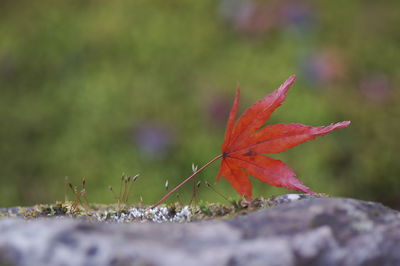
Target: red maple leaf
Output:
[{"x": 247, "y": 140}]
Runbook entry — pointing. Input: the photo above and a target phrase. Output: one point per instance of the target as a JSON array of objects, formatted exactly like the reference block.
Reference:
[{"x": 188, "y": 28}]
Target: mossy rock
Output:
[{"x": 174, "y": 212}]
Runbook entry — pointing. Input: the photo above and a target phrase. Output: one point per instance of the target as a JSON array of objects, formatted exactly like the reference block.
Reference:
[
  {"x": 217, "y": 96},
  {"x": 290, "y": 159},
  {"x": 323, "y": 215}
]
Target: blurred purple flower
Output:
[
  {"x": 296, "y": 14},
  {"x": 376, "y": 87},
  {"x": 258, "y": 17},
  {"x": 323, "y": 67},
  {"x": 153, "y": 141},
  {"x": 249, "y": 17},
  {"x": 218, "y": 110}
]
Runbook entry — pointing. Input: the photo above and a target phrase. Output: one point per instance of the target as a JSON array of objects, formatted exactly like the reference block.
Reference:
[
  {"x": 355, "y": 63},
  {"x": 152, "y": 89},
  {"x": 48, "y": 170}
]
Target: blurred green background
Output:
[{"x": 96, "y": 88}]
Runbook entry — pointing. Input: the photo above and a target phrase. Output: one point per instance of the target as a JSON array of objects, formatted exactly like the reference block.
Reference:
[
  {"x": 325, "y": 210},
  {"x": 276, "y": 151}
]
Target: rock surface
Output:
[{"x": 321, "y": 231}]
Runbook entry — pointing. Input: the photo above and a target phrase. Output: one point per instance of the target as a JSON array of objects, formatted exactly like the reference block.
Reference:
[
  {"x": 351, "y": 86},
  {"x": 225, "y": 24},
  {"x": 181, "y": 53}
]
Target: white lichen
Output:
[{"x": 157, "y": 215}]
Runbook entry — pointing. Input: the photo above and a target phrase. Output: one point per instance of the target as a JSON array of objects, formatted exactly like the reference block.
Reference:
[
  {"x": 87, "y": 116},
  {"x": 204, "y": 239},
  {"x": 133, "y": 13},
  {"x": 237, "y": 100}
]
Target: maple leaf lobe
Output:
[{"x": 246, "y": 142}]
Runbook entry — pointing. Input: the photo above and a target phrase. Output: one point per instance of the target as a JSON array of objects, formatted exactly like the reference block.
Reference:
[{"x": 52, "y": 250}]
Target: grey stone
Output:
[{"x": 312, "y": 231}]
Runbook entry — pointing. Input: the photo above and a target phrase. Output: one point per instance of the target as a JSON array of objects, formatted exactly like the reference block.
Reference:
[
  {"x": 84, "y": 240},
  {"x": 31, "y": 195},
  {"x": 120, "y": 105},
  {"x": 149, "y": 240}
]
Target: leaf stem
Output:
[{"x": 185, "y": 181}]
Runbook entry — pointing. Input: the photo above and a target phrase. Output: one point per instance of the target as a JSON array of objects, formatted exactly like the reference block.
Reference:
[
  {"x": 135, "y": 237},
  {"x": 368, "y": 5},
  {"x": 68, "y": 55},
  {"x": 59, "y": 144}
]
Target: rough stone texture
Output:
[{"x": 322, "y": 231}]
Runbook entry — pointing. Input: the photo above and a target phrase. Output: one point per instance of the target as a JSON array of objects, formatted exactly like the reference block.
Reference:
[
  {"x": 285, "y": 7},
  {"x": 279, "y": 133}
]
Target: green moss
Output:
[{"x": 204, "y": 210}]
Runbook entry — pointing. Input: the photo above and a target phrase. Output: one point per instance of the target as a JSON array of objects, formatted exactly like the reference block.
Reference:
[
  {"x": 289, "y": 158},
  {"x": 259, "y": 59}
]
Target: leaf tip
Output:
[
  {"x": 290, "y": 80},
  {"x": 342, "y": 124},
  {"x": 286, "y": 85},
  {"x": 237, "y": 90}
]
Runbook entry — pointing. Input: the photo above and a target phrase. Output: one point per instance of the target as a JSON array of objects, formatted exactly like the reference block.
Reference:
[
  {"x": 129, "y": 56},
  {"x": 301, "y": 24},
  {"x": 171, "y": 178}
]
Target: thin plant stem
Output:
[
  {"x": 112, "y": 191},
  {"x": 120, "y": 190},
  {"x": 193, "y": 193},
  {"x": 216, "y": 191},
  {"x": 77, "y": 199},
  {"x": 179, "y": 198},
  {"x": 72, "y": 189},
  {"x": 193, "y": 199},
  {"x": 66, "y": 181},
  {"x": 131, "y": 180},
  {"x": 127, "y": 180},
  {"x": 141, "y": 202},
  {"x": 85, "y": 203},
  {"x": 185, "y": 181}
]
